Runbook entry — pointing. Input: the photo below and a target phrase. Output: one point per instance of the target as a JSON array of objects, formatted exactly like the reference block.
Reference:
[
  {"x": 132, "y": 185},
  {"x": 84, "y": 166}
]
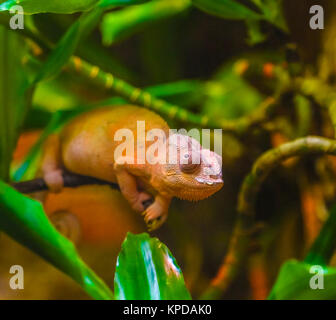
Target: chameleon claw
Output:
[
  {"x": 153, "y": 216},
  {"x": 151, "y": 225}
]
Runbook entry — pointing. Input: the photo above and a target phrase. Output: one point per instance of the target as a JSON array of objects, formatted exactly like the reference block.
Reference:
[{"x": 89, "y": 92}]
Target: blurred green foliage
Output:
[
  {"x": 265, "y": 10},
  {"x": 123, "y": 23},
  {"x": 227, "y": 9},
  {"x": 229, "y": 89},
  {"x": 59, "y": 6},
  {"x": 67, "y": 45}
]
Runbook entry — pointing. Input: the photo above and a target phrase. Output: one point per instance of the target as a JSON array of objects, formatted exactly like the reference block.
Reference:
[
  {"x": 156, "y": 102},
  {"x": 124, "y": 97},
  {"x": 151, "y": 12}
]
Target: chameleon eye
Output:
[{"x": 188, "y": 167}]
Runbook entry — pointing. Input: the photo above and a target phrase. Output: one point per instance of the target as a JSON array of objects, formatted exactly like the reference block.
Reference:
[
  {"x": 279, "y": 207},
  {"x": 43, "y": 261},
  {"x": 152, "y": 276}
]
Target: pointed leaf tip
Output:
[{"x": 147, "y": 270}]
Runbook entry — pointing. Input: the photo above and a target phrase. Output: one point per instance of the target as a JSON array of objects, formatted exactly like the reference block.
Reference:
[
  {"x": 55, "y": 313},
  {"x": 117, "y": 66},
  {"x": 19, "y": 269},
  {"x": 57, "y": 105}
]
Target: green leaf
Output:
[
  {"x": 293, "y": 283},
  {"x": 24, "y": 220},
  {"x": 123, "y": 23},
  {"x": 294, "y": 277},
  {"x": 184, "y": 92},
  {"x": 227, "y": 9},
  {"x": 323, "y": 247},
  {"x": 54, "y": 6},
  {"x": 272, "y": 12},
  {"x": 62, "y": 6},
  {"x": 254, "y": 32},
  {"x": 106, "y": 3},
  {"x": 68, "y": 44},
  {"x": 15, "y": 96},
  {"x": 56, "y": 95},
  {"x": 269, "y": 10},
  {"x": 146, "y": 270}
]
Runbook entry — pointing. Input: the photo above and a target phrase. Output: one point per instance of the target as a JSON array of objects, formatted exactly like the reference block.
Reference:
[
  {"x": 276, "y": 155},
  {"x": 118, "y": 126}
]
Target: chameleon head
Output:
[{"x": 196, "y": 174}]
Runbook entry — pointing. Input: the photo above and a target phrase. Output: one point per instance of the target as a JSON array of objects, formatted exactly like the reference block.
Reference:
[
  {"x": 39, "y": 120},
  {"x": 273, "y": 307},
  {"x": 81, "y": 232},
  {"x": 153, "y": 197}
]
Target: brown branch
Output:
[
  {"x": 323, "y": 93},
  {"x": 243, "y": 230},
  {"x": 71, "y": 180}
]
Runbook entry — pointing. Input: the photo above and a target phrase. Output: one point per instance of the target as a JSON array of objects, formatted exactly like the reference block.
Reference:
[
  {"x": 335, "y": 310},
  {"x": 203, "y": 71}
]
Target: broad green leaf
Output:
[
  {"x": 227, "y": 9},
  {"x": 293, "y": 283},
  {"x": 24, "y": 220},
  {"x": 67, "y": 45},
  {"x": 123, "y": 23},
  {"x": 15, "y": 96},
  {"x": 146, "y": 270},
  {"x": 54, "y": 6}
]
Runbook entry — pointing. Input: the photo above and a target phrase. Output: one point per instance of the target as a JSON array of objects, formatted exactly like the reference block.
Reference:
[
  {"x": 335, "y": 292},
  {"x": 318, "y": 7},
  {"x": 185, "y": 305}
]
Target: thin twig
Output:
[
  {"x": 71, "y": 180},
  {"x": 321, "y": 92},
  {"x": 138, "y": 96},
  {"x": 243, "y": 230}
]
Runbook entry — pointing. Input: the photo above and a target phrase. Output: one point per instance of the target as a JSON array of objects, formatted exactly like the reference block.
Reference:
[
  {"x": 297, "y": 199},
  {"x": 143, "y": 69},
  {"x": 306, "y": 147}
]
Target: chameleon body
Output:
[{"x": 87, "y": 145}]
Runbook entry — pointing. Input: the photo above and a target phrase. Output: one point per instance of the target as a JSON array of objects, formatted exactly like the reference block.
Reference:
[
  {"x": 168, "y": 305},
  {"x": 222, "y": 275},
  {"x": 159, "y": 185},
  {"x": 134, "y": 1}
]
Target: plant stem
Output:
[
  {"x": 243, "y": 230},
  {"x": 135, "y": 95}
]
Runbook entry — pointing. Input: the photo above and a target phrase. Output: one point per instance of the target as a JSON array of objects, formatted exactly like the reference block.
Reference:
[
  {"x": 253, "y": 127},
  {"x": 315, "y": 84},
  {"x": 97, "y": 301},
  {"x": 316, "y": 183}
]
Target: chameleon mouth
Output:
[
  {"x": 211, "y": 181},
  {"x": 204, "y": 189}
]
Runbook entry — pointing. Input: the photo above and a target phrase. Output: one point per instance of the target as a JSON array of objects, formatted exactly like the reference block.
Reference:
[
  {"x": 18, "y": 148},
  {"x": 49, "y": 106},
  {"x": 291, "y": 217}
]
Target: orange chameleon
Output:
[{"x": 87, "y": 145}]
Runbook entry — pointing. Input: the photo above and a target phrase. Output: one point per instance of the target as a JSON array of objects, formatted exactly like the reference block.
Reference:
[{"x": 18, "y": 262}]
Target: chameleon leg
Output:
[
  {"x": 52, "y": 164},
  {"x": 128, "y": 188},
  {"x": 156, "y": 214}
]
